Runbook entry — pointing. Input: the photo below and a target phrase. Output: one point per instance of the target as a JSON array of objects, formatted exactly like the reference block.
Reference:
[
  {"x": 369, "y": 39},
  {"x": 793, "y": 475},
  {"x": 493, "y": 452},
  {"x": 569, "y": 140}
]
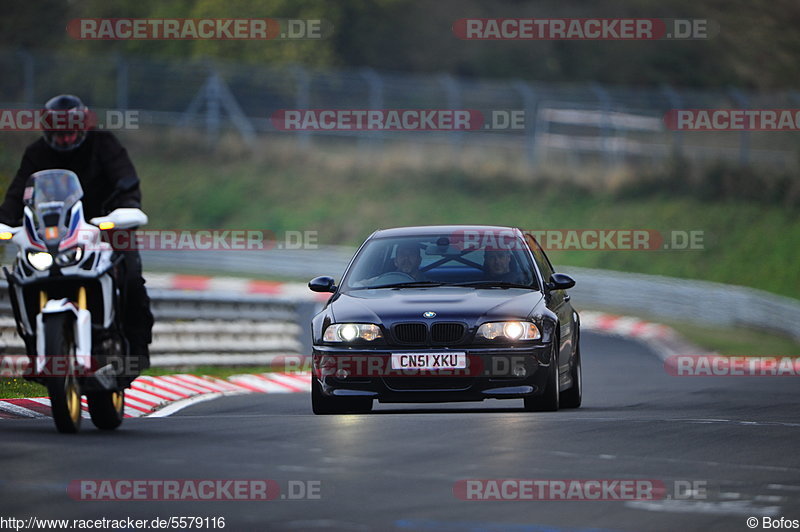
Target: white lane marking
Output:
[
  {"x": 651, "y": 458},
  {"x": 310, "y": 469},
  {"x": 785, "y": 487},
  {"x": 698, "y": 421},
  {"x": 705, "y": 507},
  {"x": 769, "y": 498}
]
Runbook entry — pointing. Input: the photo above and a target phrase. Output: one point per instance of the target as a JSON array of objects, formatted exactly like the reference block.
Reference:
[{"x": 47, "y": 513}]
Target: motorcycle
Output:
[{"x": 65, "y": 292}]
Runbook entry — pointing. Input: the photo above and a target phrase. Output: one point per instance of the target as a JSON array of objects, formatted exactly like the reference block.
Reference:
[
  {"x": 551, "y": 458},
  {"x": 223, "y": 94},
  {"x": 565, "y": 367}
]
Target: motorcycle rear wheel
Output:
[{"x": 107, "y": 409}]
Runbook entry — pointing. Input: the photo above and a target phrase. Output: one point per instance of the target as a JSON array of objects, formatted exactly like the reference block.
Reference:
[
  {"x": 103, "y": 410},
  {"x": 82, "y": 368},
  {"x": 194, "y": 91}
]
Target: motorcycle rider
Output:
[{"x": 109, "y": 181}]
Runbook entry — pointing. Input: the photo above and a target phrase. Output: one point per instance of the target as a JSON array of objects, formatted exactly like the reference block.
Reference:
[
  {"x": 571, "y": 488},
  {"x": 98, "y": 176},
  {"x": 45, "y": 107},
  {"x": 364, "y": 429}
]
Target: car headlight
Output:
[
  {"x": 509, "y": 330},
  {"x": 69, "y": 256},
  {"x": 41, "y": 260},
  {"x": 349, "y": 332}
]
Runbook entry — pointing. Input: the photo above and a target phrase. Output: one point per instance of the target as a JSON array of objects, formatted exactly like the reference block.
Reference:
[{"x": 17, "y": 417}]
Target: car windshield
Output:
[{"x": 436, "y": 260}]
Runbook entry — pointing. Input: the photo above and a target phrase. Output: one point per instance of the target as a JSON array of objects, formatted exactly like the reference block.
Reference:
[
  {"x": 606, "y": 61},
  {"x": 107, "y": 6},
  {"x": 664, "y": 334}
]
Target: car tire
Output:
[
  {"x": 572, "y": 397},
  {"x": 549, "y": 400},
  {"x": 322, "y": 404}
]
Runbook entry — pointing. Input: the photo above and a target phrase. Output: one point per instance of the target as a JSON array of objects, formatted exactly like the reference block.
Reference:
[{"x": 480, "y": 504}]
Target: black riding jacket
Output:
[{"x": 107, "y": 176}]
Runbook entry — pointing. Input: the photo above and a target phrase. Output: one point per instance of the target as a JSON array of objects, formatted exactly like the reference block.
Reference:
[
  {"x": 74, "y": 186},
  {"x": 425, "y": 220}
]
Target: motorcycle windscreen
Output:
[{"x": 55, "y": 192}]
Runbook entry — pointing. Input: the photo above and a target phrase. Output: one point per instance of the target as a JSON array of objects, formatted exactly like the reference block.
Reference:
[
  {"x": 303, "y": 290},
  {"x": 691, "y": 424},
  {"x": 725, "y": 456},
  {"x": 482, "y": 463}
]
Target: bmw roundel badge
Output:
[{"x": 429, "y": 314}]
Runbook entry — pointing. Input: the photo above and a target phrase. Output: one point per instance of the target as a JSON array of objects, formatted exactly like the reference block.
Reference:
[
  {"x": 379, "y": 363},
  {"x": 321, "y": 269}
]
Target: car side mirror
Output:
[
  {"x": 322, "y": 284},
  {"x": 560, "y": 281}
]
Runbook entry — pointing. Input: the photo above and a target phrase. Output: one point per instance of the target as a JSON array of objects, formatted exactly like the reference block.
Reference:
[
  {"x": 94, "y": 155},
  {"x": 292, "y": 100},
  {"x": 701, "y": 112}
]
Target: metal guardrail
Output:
[
  {"x": 220, "y": 328},
  {"x": 207, "y": 328},
  {"x": 687, "y": 300}
]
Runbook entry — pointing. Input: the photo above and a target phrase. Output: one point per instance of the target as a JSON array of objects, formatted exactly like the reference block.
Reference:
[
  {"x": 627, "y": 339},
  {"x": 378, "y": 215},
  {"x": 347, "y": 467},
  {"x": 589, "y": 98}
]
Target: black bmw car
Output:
[{"x": 446, "y": 313}]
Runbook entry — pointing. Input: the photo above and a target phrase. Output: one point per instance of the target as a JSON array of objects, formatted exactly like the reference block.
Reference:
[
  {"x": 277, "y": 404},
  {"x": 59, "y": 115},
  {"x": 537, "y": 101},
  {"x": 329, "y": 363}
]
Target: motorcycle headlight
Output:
[
  {"x": 41, "y": 260},
  {"x": 69, "y": 256},
  {"x": 350, "y": 332},
  {"x": 509, "y": 330}
]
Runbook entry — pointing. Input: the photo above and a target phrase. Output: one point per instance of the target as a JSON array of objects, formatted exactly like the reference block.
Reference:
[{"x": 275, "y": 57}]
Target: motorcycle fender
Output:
[{"x": 83, "y": 332}]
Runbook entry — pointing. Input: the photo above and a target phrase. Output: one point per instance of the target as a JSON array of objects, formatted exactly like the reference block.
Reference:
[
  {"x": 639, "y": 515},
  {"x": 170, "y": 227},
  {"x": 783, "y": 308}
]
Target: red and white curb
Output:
[
  {"x": 664, "y": 340},
  {"x": 232, "y": 285},
  {"x": 624, "y": 326},
  {"x": 161, "y": 396}
]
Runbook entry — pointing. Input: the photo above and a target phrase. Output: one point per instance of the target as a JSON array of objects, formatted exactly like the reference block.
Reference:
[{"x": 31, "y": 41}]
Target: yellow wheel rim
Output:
[
  {"x": 116, "y": 399},
  {"x": 73, "y": 401}
]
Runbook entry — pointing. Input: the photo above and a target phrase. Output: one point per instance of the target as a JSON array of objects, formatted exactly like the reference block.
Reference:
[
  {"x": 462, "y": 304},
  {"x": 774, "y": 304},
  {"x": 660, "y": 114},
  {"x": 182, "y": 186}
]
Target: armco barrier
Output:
[
  {"x": 230, "y": 326},
  {"x": 208, "y": 328},
  {"x": 659, "y": 297},
  {"x": 686, "y": 300}
]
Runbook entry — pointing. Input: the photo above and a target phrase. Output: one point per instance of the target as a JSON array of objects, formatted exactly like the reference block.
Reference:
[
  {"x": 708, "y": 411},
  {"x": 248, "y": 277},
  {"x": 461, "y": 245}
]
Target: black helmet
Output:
[{"x": 65, "y": 122}]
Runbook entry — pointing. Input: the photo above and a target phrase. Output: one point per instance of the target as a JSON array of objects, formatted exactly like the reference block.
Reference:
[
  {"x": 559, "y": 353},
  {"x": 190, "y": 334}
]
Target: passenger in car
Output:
[{"x": 498, "y": 267}]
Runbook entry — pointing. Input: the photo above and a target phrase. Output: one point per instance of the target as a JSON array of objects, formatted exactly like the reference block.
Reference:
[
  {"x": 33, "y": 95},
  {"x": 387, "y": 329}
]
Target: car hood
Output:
[{"x": 385, "y": 306}]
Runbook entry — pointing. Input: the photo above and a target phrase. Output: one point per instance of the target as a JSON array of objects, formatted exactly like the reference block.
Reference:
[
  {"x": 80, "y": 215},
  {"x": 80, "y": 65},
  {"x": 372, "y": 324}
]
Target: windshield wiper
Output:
[
  {"x": 493, "y": 284},
  {"x": 411, "y": 284}
]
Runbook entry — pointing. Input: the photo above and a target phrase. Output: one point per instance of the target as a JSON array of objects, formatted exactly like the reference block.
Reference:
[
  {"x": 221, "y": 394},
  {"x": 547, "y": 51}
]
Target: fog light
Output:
[{"x": 342, "y": 374}]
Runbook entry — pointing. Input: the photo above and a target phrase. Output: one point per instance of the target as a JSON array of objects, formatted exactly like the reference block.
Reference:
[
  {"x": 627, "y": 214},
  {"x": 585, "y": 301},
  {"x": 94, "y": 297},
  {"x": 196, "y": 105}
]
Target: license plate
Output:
[{"x": 429, "y": 360}]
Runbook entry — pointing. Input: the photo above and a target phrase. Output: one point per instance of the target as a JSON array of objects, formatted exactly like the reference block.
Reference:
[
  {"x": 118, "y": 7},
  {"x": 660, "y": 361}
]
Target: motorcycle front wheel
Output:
[{"x": 62, "y": 383}]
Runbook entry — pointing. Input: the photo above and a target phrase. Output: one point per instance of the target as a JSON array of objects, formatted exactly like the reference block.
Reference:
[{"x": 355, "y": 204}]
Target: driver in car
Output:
[
  {"x": 407, "y": 260},
  {"x": 109, "y": 181}
]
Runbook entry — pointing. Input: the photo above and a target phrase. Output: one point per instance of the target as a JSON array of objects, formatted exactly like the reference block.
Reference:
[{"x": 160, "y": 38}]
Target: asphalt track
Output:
[{"x": 395, "y": 469}]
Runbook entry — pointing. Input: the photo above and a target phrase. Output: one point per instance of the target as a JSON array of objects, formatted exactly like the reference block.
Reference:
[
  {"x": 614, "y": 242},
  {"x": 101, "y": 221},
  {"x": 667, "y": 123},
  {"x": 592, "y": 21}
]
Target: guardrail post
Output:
[
  {"x": 302, "y": 99},
  {"x": 453, "y": 95},
  {"x": 28, "y": 76},
  {"x": 740, "y": 99},
  {"x": 122, "y": 83},
  {"x": 529, "y": 103},
  {"x": 675, "y": 102},
  {"x": 375, "y": 98},
  {"x": 609, "y": 151}
]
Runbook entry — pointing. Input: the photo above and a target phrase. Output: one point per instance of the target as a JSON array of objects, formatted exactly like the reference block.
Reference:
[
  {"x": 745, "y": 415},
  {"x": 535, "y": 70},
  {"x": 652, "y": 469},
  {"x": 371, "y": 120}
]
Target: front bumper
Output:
[{"x": 492, "y": 372}]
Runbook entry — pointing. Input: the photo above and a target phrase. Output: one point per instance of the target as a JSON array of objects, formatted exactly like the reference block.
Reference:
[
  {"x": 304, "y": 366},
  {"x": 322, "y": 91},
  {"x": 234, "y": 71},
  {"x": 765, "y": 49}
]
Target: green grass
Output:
[
  {"x": 746, "y": 243},
  {"x": 738, "y": 342},
  {"x": 12, "y": 388},
  {"x": 344, "y": 195},
  {"x": 729, "y": 341}
]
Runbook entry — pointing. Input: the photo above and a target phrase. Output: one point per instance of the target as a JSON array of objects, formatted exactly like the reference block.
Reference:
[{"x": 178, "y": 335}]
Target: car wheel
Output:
[
  {"x": 322, "y": 404},
  {"x": 548, "y": 401},
  {"x": 572, "y": 398}
]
